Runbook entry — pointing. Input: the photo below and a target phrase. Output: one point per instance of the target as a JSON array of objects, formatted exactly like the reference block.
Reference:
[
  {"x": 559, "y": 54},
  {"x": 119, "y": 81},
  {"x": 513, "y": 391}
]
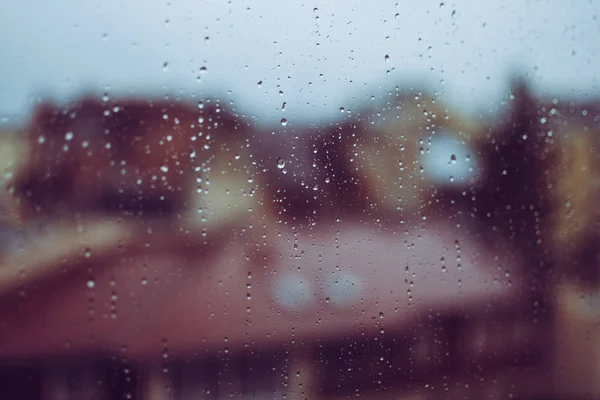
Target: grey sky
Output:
[{"x": 320, "y": 54}]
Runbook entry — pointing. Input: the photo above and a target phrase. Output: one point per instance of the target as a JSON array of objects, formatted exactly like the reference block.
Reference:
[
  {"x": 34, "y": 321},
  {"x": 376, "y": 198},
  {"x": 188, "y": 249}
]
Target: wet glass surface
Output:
[{"x": 303, "y": 201}]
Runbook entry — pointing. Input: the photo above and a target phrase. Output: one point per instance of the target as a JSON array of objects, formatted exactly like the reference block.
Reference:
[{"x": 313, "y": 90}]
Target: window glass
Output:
[{"x": 327, "y": 200}]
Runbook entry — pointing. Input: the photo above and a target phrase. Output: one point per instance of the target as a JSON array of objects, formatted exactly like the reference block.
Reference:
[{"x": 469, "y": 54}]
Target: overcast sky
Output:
[{"x": 321, "y": 55}]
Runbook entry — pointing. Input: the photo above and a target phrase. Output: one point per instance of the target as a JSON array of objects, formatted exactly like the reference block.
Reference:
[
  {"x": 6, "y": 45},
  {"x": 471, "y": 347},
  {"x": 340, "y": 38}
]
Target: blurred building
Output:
[{"x": 312, "y": 283}]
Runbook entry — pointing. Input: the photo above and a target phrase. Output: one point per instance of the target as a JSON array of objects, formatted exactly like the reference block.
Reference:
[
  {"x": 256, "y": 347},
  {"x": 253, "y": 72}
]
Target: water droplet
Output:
[
  {"x": 41, "y": 139},
  {"x": 203, "y": 70},
  {"x": 280, "y": 163},
  {"x": 284, "y": 121},
  {"x": 342, "y": 109},
  {"x": 259, "y": 84},
  {"x": 164, "y": 168},
  {"x": 68, "y": 136},
  {"x": 87, "y": 252},
  {"x": 91, "y": 284},
  {"x": 387, "y": 58}
]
